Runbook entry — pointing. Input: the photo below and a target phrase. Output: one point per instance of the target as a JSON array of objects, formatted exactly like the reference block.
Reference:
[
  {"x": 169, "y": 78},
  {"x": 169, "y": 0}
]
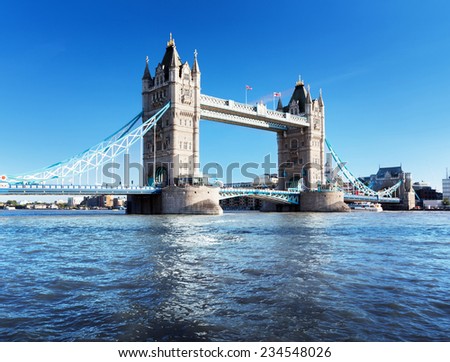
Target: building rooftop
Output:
[{"x": 393, "y": 171}]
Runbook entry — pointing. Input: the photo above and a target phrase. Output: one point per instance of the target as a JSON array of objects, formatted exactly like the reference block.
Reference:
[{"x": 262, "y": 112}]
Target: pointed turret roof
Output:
[
  {"x": 320, "y": 98},
  {"x": 280, "y": 105},
  {"x": 171, "y": 58},
  {"x": 308, "y": 95},
  {"x": 393, "y": 171},
  {"x": 195, "y": 67},
  {"x": 299, "y": 96},
  {"x": 147, "y": 74}
]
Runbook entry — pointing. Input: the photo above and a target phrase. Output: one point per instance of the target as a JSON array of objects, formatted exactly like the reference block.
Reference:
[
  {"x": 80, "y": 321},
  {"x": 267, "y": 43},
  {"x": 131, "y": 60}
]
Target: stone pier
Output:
[
  {"x": 197, "y": 200},
  {"x": 332, "y": 201}
]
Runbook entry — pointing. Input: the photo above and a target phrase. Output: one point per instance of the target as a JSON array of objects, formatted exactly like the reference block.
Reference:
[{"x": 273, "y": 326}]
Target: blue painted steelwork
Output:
[
  {"x": 363, "y": 189},
  {"x": 76, "y": 190},
  {"x": 285, "y": 197},
  {"x": 278, "y": 196},
  {"x": 384, "y": 200},
  {"x": 96, "y": 156}
]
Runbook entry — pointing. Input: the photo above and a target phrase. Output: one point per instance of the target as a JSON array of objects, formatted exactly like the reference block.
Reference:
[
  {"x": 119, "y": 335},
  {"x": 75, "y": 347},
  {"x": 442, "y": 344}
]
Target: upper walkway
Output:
[{"x": 229, "y": 111}]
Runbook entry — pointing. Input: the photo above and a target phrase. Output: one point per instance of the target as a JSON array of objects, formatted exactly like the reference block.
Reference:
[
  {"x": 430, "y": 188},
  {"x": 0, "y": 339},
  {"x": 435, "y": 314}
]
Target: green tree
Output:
[{"x": 446, "y": 201}]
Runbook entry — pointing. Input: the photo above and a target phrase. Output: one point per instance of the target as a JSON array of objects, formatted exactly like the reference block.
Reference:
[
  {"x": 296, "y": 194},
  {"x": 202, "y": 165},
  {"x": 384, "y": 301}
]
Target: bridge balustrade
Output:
[{"x": 262, "y": 111}]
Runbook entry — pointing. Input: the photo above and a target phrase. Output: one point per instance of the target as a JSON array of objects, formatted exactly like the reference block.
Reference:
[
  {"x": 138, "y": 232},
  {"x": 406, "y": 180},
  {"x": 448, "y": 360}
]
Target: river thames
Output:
[{"x": 243, "y": 276}]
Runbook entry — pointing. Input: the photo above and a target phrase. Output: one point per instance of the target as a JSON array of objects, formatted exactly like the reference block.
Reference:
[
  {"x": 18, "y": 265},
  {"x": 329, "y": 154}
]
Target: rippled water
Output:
[{"x": 84, "y": 276}]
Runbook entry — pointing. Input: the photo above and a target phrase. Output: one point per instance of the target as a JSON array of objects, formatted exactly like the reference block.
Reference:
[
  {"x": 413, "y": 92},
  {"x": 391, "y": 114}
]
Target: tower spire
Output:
[
  {"x": 147, "y": 74},
  {"x": 308, "y": 95},
  {"x": 171, "y": 42},
  {"x": 320, "y": 98},
  {"x": 279, "y": 105},
  {"x": 195, "y": 67}
]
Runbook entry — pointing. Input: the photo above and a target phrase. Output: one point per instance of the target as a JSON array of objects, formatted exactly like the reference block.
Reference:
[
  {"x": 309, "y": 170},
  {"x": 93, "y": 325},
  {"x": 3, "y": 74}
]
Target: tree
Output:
[{"x": 446, "y": 201}]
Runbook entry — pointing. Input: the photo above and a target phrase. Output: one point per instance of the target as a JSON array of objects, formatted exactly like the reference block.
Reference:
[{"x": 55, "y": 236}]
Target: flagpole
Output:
[
  {"x": 273, "y": 100},
  {"x": 246, "y": 90}
]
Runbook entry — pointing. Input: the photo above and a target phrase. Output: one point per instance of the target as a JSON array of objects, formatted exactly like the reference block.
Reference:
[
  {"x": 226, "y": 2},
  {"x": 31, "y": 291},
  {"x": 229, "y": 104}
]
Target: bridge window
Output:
[
  {"x": 166, "y": 142},
  {"x": 294, "y": 143}
]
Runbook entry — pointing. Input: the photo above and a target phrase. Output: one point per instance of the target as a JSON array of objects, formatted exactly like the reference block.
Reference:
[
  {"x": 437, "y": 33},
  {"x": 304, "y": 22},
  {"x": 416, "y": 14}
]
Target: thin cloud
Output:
[{"x": 343, "y": 76}]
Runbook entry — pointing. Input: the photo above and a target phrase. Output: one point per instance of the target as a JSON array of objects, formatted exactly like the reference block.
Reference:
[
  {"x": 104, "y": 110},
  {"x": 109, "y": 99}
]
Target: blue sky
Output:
[{"x": 70, "y": 74}]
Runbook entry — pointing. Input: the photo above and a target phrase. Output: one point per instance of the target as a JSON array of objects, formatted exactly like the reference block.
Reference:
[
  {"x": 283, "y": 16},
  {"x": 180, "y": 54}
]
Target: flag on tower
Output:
[
  {"x": 277, "y": 94},
  {"x": 248, "y": 87}
]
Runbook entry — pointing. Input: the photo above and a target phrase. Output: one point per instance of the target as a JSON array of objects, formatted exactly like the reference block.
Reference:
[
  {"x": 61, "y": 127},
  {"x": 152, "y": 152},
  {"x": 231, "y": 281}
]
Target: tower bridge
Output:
[{"x": 169, "y": 137}]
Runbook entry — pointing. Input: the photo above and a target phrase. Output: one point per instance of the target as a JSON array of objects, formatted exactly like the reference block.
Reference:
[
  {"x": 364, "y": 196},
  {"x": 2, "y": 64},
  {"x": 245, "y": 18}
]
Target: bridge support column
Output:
[
  {"x": 144, "y": 204},
  {"x": 199, "y": 200},
  {"x": 268, "y": 206},
  {"x": 409, "y": 201},
  {"x": 323, "y": 201}
]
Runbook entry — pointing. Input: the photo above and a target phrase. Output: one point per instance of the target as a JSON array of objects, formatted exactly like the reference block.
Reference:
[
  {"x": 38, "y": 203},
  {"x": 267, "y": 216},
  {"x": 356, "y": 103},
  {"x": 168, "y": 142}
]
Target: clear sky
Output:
[{"x": 70, "y": 74}]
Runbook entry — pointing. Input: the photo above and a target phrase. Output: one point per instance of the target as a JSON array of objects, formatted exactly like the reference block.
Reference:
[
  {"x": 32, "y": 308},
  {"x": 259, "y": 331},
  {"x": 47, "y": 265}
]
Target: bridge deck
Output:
[
  {"x": 383, "y": 200},
  {"x": 76, "y": 190},
  {"x": 277, "y": 196},
  {"x": 280, "y": 196},
  {"x": 228, "y": 111}
]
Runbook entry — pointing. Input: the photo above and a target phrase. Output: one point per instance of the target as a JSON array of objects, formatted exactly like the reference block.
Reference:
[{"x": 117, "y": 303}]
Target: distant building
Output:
[
  {"x": 106, "y": 201},
  {"x": 424, "y": 193},
  {"x": 74, "y": 201},
  {"x": 269, "y": 180},
  {"x": 118, "y": 202},
  {"x": 446, "y": 188},
  {"x": 385, "y": 177},
  {"x": 389, "y": 176},
  {"x": 241, "y": 203},
  {"x": 432, "y": 204}
]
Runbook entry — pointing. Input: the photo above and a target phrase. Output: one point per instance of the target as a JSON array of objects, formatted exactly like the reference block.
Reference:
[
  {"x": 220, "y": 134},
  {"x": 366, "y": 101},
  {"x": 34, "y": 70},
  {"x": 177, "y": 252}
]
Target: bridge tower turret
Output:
[
  {"x": 171, "y": 151},
  {"x": 301, "y": 150}
]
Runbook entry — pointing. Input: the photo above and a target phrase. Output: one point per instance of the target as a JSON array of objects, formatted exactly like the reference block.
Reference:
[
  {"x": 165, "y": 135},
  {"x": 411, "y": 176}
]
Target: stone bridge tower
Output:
[
  {"x": 301, "y": 151},
  {"x": 174, "y": 142}
]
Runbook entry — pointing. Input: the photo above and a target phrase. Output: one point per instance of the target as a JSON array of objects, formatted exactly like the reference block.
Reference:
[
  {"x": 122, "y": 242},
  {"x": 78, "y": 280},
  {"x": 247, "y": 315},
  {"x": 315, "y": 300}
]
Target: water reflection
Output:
[{"x": 239, "y": 277}]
